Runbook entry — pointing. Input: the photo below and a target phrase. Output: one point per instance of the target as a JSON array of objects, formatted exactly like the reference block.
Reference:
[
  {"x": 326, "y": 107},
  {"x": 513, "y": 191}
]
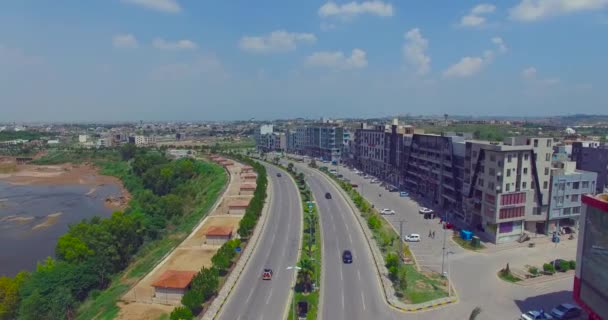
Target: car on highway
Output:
[
  {"x": 279, "y": 174},
  {"x": 387, "y": 211},
  {"x": 566, "y": 311},
  {"x": 267, "y": 274},
  {"x": 327, "y": 195},
  {"x": 404, "y": 194},
  {"x": 414, "y": 237},
  {"x": 425, "y": 210},
  {"x": 535, "y": 315},
  {"x": 347, "y": 256}
]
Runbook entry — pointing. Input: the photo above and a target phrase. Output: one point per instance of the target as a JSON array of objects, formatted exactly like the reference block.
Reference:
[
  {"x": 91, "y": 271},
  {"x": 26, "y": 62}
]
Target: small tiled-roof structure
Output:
[
  {"x": 174, "y": 279},
  {"x": 247, "y": 175},
  {"x": 219, "y": 231},
  {"x": 239, "y": 204},
  {"x": 247, "y": 168},
  {"x": 226, "y": 163},
  {"x": 247, "y": 186}
]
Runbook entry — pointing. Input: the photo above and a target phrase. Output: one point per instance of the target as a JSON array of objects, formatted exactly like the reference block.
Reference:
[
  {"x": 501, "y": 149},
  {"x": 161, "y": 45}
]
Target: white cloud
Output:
[
  {"x": 125, "y": 41},
  {"x": 476, "y": 18},
  {"x": 276, "y": 41},
  {"x": 353, "y": 9},
  {"x": 500, "y": 43},
  {"x": 170, "y": 6},
  {"x": 530, "y": 74},
  {"x": 184, "y": 44},
  {"x": 338, "y": 60},
  {"x": 468, "y": 66},
  {"x": 414, "y": 51},
  {"x": 534, "y": 10}
]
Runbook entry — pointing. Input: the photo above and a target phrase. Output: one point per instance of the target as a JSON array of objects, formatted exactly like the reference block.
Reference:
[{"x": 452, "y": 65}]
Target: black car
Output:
[
  {"x": 566, "y": 311},
  {"x": 279, "y": 175},
  {"x": 347, "y": 256},
  {"x": 327, "y": 195}
]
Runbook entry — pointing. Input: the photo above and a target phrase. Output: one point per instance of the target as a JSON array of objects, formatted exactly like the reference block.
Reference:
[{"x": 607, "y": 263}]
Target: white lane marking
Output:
[
  {"x": 270, "y": 295},
  {"x": 359, "y": 275},
  {"x": 342, "y": 302},
  {"x": 350, "y": 238},
  {"x": 341, "y": 276},
  {"x": 347, "y": 228},
  {"x": 363, "y": 300},
  {"x": 249, "y": 297}
]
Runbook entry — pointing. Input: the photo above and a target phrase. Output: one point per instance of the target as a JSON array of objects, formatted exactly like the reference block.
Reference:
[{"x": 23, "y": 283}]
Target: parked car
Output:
[
  {"x": 425, "y": 210},
  {"x": 367, "y": 176},
  {"x": 414, "y": 237},
  {"x": 392, "y": 189},
  {"x": 535, "y": 315},
  {"x": 354, "y": 185},
  {"x": 327, "y": 195},
  {"x": 279, "y": 175},
  {"x": 566, "y": 311},
  {"x": 448, "y": 225},
  {"x": 347, "y": 256},
  {"x": 374, "y": 180},
  {"x": 404, "y": 194},
  {"x": 387, "y": 211},
  {"x": 267, "y": 274},
  {"x": 333, "y": 171}
]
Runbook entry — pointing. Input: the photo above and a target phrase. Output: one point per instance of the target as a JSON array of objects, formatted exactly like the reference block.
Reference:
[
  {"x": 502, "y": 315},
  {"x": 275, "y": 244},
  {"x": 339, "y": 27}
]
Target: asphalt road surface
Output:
[
  {"x": 348, "y": 291},
  {"x": 254, "y": 298}
]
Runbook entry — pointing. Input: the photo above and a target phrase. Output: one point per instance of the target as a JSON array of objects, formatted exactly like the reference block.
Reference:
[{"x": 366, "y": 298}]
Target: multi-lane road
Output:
[
  {"x": 254, "y": 298},
  {"x": 348, "y": 291}
]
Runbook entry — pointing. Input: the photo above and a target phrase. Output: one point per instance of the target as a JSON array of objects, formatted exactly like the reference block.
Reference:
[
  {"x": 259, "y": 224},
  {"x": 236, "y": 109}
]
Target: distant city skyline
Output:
[{"x": 154, "y": 60}]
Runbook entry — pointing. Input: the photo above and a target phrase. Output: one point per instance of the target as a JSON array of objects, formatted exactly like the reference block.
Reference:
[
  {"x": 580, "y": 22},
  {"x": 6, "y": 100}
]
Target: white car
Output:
[
  {"x": 414, "y": 237},
  {"x": 387, "y": 211},
  {"x": 425, "y": 210},
  {"x": 375, "y": 180}
]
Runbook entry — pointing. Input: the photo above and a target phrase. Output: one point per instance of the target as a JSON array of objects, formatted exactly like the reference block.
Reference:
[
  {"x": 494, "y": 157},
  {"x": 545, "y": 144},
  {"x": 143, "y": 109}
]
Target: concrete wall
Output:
[
  {"x": 168, "y": 295},
  {"x": 216, "y": 240}
]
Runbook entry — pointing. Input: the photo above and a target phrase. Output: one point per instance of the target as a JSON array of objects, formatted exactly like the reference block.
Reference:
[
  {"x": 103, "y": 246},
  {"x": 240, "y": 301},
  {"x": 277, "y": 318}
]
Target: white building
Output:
[
  {"x": 145, "y": 141},
  {"x": 83, "y": 138}
]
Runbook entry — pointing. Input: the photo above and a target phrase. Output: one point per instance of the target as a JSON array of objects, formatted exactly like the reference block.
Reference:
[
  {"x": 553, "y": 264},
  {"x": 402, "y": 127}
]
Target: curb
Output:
[
  {"x": 409, "y": 308},
  {"x": 250, "y": 249}
]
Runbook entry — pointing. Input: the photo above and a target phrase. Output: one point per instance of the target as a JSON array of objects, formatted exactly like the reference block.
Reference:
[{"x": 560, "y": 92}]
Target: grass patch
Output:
[
  {"x": 78, "y": 156},
  {"x": 313, "y": 305},
  {"x": 508, "y": 276},
  {"x": 103, "y": 305},
  {"x": 411, "y": 285},
  {"x": 466, "y": 244}
]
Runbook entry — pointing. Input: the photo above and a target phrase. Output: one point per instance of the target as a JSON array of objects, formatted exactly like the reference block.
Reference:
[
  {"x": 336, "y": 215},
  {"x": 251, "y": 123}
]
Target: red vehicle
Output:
[
  {"x": 354, "y": 185},
  {"x": 267, "y": 274},
  {"x": 448, "y": 225}
]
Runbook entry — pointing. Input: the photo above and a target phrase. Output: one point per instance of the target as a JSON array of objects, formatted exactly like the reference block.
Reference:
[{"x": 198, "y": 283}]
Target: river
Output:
[{"x": 33, "y": 217}]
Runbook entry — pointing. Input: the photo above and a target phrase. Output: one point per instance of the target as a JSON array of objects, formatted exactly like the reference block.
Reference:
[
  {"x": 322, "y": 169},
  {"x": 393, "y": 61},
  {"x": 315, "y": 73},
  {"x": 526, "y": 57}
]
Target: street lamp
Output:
[
  {"x": 294, "y": 290},
  {"x": 449, "y": 275}
]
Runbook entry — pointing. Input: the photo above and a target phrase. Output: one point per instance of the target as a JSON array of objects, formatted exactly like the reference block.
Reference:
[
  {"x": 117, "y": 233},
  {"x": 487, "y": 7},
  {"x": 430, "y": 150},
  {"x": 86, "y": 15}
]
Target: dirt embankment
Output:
[{"x": 64, "y": 174}]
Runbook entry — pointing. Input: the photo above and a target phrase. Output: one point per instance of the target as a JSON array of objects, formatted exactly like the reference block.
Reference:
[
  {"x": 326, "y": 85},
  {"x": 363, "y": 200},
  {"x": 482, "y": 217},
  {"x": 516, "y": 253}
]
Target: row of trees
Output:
[
  {"x": 94, "y": 250},
  {"x": 206, "y": 283}
]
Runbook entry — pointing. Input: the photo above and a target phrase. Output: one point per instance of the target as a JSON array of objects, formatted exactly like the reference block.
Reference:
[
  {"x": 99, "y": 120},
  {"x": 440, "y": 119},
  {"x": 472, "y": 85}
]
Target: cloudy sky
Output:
[{"x": 236, "y": 59}]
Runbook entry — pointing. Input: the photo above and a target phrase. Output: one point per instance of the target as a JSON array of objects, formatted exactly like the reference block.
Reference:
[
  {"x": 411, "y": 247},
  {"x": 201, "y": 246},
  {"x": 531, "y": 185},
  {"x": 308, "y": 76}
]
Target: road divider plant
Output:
[
  {"x": 411, "y": 285},
  {"x": 208, "y": 281}
]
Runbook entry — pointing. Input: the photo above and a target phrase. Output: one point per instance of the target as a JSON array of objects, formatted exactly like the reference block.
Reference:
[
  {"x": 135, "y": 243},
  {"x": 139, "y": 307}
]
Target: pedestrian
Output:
[
  {"x": 433, "y": 234},
  {"x": 430, "y": 234}
]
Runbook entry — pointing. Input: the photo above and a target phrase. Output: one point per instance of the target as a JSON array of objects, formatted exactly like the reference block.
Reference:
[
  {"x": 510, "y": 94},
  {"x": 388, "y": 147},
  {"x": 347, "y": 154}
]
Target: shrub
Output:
[
  {"x": 193, "y": 300},
  {"x": 548, "y": 268},
  {"x": 181, "y": 313},
  {"x": 373, "y": 222},
  {"x": 564, "y": 265},
  {"x": 572, "y": 264},
  {"x": 533, "y": 271}
]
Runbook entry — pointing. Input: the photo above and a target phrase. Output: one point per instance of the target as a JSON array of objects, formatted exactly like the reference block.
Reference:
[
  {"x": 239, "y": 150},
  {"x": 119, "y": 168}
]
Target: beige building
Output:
[
  {"x": 506, "y": 186},
  {"x": 238, "y": 206},
  {"x": 247, "y": 189},
  {"x": 171, "y": 286},
  {"x": 217, "y": 235}
]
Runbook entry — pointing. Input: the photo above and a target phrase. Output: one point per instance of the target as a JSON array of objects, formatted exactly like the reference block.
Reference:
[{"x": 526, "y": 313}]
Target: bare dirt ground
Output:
[{"x": 191, "y": 255}]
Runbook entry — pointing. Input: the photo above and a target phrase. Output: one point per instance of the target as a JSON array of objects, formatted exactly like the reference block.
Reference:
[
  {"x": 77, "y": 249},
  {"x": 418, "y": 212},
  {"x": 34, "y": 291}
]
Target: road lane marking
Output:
[
  {"x": 249, "y": 297},
  {"x": 359, "y": 275},
  {"x": 363, "y": 300},
  {"x": 269, "y": 296},
  {"x": 342, "y": 302},
  {"x": 350, "y": 238}
]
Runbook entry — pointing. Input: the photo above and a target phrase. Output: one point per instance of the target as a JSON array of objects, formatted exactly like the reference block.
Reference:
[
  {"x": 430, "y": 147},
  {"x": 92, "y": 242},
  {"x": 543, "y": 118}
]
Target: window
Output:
[
  {"x": 525, "y": 170},
  {"x": 549, "y": 143},
  {"x": 546, "y": 171},
  {"x": 535, "y": 143},
  {"x": 548, "y": 157},
  {"x": 508, "y": 187},
  {"x": 575, "y": 185},
  {"x": 491, "y": 185},
  {"x": 508, "y": 172},
  {"x": 524, "y": 185},
  {"x": 585, "y": 184},
  {"x": 545, "y": 185},
  {"x": 492, "y": 157},
  {"x": 481, "y": 182},
  {"x": 576, "y": 210},
  {"x": 492, "y": 172},
  {"x": 526, "y": 156},
  {"x": 509, "y": 157},
  {"x": 574, "y": 198},
  {"x": 567, "y": 210}
]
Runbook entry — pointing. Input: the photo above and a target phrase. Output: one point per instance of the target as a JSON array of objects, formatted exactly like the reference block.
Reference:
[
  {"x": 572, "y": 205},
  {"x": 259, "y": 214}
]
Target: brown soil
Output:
[{"x": 142, "y": 311}]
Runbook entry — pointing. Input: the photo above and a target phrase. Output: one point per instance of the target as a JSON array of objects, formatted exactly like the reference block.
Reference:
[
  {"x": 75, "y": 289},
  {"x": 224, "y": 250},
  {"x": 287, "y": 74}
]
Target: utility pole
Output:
[
  {"x": 400, "y": 241},
  {"x": 443, "y": 250}
]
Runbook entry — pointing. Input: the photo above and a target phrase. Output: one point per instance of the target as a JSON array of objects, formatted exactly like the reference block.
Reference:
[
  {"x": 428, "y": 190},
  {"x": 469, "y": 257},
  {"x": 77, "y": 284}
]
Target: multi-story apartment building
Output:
[
  {"x": 592, "y": 156},
  {"x": 433, "y": 165},
  {"x": 566, "y": 188},
  {"x": 145, "y": 141},
  {"x": 369, "y": 149},
  {"x": 506, "y": 186},
  {"x": 323, "y": 141}
]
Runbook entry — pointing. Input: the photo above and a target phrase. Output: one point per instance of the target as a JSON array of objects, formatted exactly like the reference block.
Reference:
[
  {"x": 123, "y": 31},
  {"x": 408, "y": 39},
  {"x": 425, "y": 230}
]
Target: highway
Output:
[
  {"x": 254, "y": 298},
  {"x": 348, "y": 291}
]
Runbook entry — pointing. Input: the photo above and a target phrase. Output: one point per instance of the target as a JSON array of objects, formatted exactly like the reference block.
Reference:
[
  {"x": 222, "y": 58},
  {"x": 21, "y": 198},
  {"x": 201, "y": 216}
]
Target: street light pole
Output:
[
  {"x": 443, "y": 250},
  {"x": 294, "y": 291}
]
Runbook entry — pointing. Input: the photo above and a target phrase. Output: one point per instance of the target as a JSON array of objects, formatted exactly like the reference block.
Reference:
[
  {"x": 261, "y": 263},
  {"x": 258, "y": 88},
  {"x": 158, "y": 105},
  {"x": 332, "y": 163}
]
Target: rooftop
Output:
[
  {"x": 174, "y": 279},
  {"x": 219, "y": 231},
  {"x": 247, "y": 186},
  {"x": 239, "y": 203}
]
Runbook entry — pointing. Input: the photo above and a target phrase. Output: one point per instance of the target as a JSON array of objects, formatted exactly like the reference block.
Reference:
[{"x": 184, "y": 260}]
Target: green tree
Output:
[
  {"x": 290, "y": 167},
  {"x": 193, "y": 300},
  {"x": 181, "y": 313},
  {"x": 72, "y": 249},
  {"x": 206, "y": 282},
  {"x": 127, "y": 151},
  {"x": 313, "y": 164},
  {"x": 9, "y": 295}
]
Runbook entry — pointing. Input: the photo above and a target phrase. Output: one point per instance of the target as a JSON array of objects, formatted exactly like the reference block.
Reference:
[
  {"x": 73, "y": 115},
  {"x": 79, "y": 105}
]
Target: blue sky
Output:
[{"x": 234, "y": 59}]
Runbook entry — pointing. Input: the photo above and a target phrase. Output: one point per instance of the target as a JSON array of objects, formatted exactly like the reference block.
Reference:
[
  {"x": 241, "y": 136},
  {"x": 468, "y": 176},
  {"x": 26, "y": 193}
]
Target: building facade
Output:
[{"x": 592, "y": 157}]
